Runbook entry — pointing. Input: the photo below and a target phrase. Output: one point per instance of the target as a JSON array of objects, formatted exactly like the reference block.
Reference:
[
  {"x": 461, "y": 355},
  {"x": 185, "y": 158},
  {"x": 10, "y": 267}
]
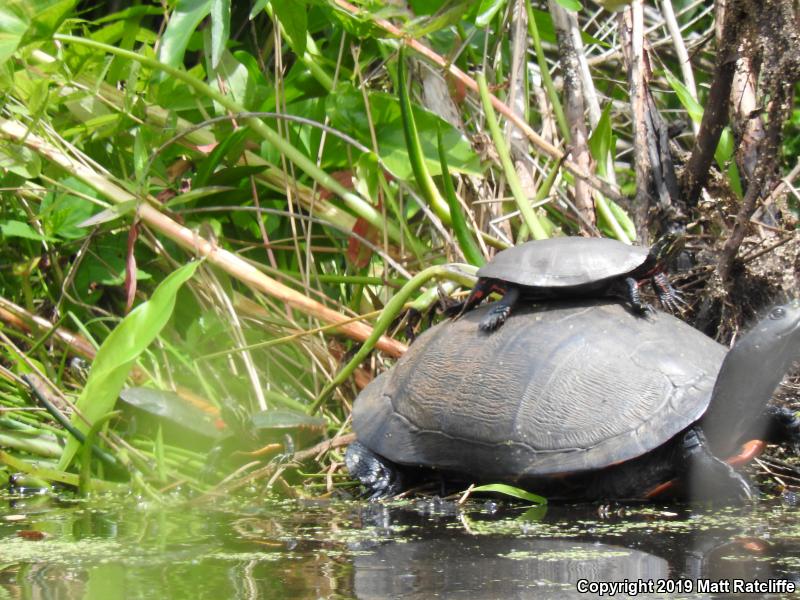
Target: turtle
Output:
[
  {"x": 576, "y": 399},
  {"x": 575, "y": 267}
]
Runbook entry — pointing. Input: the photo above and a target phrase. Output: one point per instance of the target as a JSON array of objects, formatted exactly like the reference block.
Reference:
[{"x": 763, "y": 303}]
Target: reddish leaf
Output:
[
  {"x": 357, "y": 252},
  {"x": 345, "y": 179}
]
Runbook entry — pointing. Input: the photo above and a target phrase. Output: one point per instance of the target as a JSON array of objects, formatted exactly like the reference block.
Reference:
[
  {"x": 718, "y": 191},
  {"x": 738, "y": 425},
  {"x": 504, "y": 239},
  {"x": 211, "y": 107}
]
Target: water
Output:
[{"x": 107, "y": 548}]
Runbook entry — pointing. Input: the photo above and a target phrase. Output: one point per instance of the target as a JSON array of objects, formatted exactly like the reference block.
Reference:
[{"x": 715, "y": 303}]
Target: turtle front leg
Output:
[
  {"x": 706, "y": 476},
  {"x": 380, "y": 476},
  {"x": 482, "y": 288},
  {"x": 669, "y": 297},
  {"x": 500, "y": 310},
  {"x": 777, "y": 425},
  {"x": 634, "y": 297}
]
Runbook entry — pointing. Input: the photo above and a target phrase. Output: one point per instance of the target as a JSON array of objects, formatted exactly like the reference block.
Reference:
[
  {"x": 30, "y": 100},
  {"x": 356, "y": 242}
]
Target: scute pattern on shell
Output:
[{"x": 562, "y": 388}]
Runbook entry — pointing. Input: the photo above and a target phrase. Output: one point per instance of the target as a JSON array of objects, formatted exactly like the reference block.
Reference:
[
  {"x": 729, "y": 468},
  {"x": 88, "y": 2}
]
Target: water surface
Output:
[{"x": 111, "y": 548}]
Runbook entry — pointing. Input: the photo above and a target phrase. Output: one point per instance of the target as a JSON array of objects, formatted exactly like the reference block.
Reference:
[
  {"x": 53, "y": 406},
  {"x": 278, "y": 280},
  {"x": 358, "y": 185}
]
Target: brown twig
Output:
[
  {"x": 574, "y": 106},
  {"x": 271, "y": 469},
  {"x": 191, "y": 241},
  {"x": 715, "y": 114}
]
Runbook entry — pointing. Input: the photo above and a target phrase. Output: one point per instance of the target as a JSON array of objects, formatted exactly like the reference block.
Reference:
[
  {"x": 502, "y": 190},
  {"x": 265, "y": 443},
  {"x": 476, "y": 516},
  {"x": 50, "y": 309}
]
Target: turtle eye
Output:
[{"x": 777, "y": 313}]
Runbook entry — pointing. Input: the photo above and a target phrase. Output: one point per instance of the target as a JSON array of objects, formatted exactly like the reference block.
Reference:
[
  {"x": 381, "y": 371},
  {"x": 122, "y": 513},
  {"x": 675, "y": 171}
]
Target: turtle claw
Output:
[{"x": 670, "y": 298}]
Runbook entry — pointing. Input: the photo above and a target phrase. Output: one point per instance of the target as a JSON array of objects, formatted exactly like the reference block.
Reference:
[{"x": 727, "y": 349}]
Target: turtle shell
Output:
[
  {"x": 564, "y": 262},
  {"x": 567, "y": 388}
]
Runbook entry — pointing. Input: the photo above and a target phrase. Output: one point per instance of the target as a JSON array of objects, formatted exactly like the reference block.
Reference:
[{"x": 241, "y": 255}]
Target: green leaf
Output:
[
  {"x": 182, "y": 23},
  {"x": 220, "y": 28},
  {"x": 110, "y": 214},
  {"x": 258, "y": 6},
  {"x": 623, "y": 219},
  {"x": 690, "y": 104},
  {"x": 209, "y": 164},
  {"x": 198, "y": 193},
  {"x": 486, "y": 12},
  {"x": 19, "y": 160},
  {"x": 510, "y": 490},
  {"x": 347, "y": 112},
  {"x": 13, "y": 24},
  {"x": 62, "y": 214},
  {"x": 725, "y": 148},
  {"x": 467, "y": 244},
  {"x": 600, "y": 142},
  {"x": 414, "y": 147},
  {"x": 294, "y": 20},
  {"x": 46, "y": 17},
  {"x": 140, "y": 157},
  {"x": 120, "y": 350},
  {"x": 448, "y": 14},
  {"x": 571, "y": 5},
  {"x": 26, "y": 21},
  {"x": 19, "y": 229}
]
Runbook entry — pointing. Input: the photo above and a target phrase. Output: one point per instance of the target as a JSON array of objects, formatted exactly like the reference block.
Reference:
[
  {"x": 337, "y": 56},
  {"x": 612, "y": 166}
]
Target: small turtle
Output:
[
  {"x": 576, "y": 399},
  {"x": 575, "y": 267}
]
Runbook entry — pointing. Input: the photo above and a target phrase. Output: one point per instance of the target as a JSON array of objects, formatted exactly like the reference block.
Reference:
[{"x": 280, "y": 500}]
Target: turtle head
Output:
[
  {"x": 669, "y": 245},
  {"x": 751, "y": 371}
]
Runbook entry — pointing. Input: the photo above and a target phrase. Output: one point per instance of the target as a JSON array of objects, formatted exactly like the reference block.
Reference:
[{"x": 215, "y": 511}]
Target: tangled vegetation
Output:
[{"x": 219, "y": 220}]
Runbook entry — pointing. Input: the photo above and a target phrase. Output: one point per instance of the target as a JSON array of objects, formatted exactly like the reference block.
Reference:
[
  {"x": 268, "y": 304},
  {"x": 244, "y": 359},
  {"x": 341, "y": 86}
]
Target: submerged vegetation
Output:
[{"x": 219, "y": 220}]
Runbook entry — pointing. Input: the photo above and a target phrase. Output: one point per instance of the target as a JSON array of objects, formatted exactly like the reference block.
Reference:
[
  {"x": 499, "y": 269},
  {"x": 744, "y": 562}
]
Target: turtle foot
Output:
[
  {"x": 780, "y": 425},
  {"x": 670, "y": 298},
  {"x": 495, "y": 318},
  {"x": 708, "y": 477},
  {"x": 377, "y": 474}
]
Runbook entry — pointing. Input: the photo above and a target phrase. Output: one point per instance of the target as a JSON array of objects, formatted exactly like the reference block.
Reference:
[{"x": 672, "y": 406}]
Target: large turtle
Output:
[
  {"x": 575, "y": 267},
  {"x": 576, "y": 399}
]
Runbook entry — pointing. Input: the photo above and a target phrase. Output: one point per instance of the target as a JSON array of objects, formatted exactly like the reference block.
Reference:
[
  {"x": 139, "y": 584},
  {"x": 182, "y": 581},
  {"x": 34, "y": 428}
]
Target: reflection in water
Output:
[
  {"x": 250, "y": 549},
  {"x": 496, "y": 567}
]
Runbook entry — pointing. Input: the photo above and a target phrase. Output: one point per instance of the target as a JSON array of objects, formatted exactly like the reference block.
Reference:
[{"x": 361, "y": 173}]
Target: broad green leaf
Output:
[
  {"x": 347, "y": 112},
  {"x": 26, "y": 21},
  {"x": 46, "y": 17},
  {"x": 182, "y": 23},
  {"x": 220, "y": 28},
  {"x": 13, "y": 25},
  {"x": 120, "y": 350},
  {"x": 20, "y": 160},
  {"x": 237, "y": 82},
  {"x": 18, "y": 229},
  {"x": 510, "y": 490},
  {"x": 62, "y": 214},
  {"x": 294, "y": 20}
]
